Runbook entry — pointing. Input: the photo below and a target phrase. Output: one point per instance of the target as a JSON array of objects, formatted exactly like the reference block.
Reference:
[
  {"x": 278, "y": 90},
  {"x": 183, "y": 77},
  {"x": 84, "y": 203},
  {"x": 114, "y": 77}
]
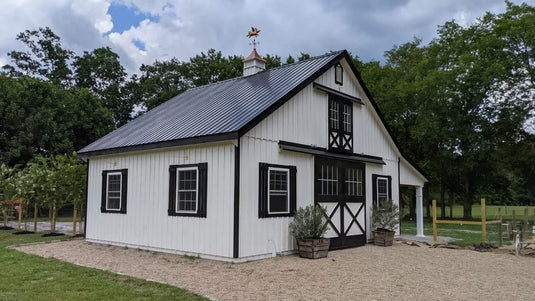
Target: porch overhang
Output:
[{"x": 320, "y": 151}]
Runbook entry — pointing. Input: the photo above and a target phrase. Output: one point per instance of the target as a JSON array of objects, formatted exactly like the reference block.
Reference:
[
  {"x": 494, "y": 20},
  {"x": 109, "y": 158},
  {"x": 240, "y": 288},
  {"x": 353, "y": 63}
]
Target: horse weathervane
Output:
[{"x": 253, "y": 33}]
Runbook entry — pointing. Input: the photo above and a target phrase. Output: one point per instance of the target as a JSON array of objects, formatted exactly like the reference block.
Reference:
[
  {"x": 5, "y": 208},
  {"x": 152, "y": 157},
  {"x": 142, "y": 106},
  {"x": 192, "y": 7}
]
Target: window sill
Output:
[
  {"x": 198, "y": 214},
  {"x": 112, "y": 211},
  {"x": 277, "y": 215}
]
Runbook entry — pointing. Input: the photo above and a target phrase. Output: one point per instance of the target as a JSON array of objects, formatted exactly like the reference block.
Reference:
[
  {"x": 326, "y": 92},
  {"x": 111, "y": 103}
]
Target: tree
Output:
[
  {"x": 7, "y": 190},
  {"x": 38, "y": 117},
  {"x": 160, "y": 82},
  {"x": 213, "y": 67},
  {"x": 101, "y": 72},
  {"x": 46, "y": 57},
  {"x": 272, "y": 61}
]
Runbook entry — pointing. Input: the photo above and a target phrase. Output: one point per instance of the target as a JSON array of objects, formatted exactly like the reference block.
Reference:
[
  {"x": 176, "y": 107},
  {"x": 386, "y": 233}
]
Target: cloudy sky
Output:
[{"x": 141, "y": 31}]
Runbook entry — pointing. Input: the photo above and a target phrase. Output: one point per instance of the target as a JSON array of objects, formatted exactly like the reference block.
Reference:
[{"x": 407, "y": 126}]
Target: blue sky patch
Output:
[
  {"x": 139, "y": 44},
  {"x": 124, "y": 17}
]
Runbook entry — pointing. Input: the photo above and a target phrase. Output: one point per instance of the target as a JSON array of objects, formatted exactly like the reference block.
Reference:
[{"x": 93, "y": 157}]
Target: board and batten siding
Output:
[
  {"x": 303, "y": 119},
  {"x": 147, "y": 223}
]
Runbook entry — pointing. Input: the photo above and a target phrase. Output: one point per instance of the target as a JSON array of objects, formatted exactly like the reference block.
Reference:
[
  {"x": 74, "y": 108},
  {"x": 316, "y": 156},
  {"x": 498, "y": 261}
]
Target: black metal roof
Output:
[{"x": 213, "y": 112}]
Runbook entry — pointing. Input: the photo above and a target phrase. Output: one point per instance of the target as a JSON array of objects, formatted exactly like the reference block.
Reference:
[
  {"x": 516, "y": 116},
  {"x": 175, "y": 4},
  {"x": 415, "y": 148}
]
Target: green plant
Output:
[
  {"x": 309, "y": 223},
  {"x": 385, "y": 216}
]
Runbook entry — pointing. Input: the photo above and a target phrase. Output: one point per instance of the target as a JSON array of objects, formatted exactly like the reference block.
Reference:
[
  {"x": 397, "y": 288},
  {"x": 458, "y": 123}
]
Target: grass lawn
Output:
[
  {"x": 30, "y": 277},
  {"x": 468, "y": 235}
]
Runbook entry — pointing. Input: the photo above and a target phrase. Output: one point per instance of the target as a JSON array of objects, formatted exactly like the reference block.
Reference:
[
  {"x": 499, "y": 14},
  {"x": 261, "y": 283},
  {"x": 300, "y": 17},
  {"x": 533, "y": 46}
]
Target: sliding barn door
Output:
[{"x": 339, "y": 188}]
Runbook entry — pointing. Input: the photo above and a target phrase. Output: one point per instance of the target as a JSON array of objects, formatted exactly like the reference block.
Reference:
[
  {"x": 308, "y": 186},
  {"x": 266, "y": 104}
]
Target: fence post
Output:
[
  {"x": 500, "y": 234},
  {"x": 514, "y": 220},
  {"x": 435, "y": 238},
  {"x": 483, "y": 220},
  {"x": 525, "y": 232},
  {"x": 20, "y": 214}
]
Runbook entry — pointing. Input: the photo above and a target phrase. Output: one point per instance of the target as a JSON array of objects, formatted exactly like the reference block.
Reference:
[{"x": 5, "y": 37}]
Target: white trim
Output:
[
  {"x": 120, "y": 189},
  {"x": 196, "y": 168},
  {"x": 287, "y": 170}
]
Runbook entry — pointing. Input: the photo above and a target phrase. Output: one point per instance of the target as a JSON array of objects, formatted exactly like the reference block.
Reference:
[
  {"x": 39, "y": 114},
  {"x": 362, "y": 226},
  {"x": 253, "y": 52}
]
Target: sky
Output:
[{"x": 142, "y": 31}]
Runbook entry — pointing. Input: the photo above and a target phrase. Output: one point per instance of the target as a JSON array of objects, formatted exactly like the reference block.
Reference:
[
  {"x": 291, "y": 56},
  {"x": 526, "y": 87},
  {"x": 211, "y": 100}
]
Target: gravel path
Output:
[{"x": 400, "y": 272}]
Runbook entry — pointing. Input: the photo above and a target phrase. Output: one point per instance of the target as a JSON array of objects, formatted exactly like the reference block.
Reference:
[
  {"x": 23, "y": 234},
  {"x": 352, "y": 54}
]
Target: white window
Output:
[
  {"x": 279, "y": 190},
  {"x": 114, "y": 191},
  {"x": 187, "y": 192},
  {"x": 382, "y": 190}
]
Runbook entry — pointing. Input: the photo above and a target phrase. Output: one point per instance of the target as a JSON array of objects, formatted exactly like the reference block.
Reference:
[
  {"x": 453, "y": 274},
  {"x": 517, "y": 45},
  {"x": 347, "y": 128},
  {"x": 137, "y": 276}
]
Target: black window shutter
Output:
[
  {"x": 203, "y": 181},
  {"x": 263, "y": 190},
  {"x": 374, "y": 189},
  {"x": 104, "y": 184},
  {"x": 293, "y": 190},
  {"x": 172, "y": 190},
  {"x": 124, "y": 189}
]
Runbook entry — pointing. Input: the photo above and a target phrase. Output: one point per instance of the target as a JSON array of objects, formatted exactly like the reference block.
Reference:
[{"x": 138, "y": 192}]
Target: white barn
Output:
[{"x": 219, "y": 170}]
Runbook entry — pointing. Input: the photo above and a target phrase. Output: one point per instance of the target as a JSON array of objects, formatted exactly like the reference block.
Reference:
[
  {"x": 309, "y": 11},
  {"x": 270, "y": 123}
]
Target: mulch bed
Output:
[
  {"x": 6, "y": 228},
  {"x": 79, "y": 235},
  {"x": 52, "y": 234},
  {"x": 22, "y": 232}
]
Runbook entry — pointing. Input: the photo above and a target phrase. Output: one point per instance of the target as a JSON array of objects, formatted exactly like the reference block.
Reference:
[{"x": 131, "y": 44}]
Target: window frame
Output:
[
  {"x": 375, "y": 183},
  {"x": 288, "y": 189},
  {"x": 108, "y": 189},
  {"x": 263, "y": 190},
  {"x": 201, "y": 188},
  {"x": 339, "y": 81},
  {"x": 104, "y": 208},
  {"x": 339, "y": 131},
  {"x": 177, "y": 205}
]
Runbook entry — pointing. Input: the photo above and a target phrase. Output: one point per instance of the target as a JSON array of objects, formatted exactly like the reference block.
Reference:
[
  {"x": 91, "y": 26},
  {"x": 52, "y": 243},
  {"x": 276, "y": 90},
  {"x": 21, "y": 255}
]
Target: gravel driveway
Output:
[{"x": 400, "y": 272}]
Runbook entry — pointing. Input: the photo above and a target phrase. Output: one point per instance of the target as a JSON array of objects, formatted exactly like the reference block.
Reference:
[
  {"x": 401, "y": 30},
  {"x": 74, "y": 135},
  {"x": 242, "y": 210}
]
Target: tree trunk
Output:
[
  {"x": 467, "y": 202},
  {"x": 442, "y": 201},
  {"x": 53, "y": 220},
  {"x": 451, "y": 203},
  {"x": 35, "y": 214},
  {"x": 81, "y": 219},
  {"x": 75, "y": 211},
  {"x": 426, "y": 201},
  {"x": 6, "y": 217},
  {"x": 412, "y": 205}
]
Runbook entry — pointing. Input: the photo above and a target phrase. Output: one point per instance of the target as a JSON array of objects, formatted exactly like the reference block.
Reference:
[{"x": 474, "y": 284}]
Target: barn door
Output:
[{"x": 339, "y": 187}]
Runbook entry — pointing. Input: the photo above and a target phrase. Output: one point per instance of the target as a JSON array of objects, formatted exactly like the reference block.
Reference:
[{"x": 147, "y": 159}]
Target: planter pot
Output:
[
  {"x": 314, "y": 248},
  {"x": 383, "y": 237}
]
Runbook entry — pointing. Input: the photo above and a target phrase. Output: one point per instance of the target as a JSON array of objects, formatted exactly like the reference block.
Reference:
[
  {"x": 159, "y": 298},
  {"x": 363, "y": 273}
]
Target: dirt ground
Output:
[{"x": 401, "y": 272}]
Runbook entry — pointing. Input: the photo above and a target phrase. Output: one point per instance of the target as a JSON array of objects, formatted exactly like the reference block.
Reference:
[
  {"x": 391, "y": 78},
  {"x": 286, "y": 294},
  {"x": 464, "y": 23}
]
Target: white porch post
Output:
[{"x": 419, "y": 211}]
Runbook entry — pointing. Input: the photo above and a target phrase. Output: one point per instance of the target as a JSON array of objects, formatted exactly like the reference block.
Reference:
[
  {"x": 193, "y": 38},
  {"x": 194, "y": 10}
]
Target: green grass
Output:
[
  {"x": 30, "y": 277},
  {"x": 467, "y": 235}
]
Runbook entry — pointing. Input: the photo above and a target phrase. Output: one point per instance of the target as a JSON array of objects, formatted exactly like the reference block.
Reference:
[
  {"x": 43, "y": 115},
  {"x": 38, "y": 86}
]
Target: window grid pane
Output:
[
  {"x": 346, "y": 118},
  {"x": 278, "y": 191},
  {"x": 354, "y": 182},
  {"x": 382, "y": 191},
  {"x": 114, "y": 192},
  {"x": 329, "y": 179},
  {"x": 187, "y": 190},
  {"x": 334, "y": 111}
]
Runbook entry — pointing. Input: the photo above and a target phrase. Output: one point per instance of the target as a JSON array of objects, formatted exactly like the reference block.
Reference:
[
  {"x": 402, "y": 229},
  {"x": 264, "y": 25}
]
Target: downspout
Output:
[{"x": 236, "y": 233}]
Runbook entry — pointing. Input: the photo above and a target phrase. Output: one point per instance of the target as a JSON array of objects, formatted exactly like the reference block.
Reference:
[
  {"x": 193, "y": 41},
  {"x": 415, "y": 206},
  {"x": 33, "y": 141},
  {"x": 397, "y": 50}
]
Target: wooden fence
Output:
[{"x": 483, "y": 223}]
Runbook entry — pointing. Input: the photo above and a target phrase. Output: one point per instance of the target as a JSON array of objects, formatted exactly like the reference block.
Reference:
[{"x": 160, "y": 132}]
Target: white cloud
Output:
[{"x": 184, "y": 28}]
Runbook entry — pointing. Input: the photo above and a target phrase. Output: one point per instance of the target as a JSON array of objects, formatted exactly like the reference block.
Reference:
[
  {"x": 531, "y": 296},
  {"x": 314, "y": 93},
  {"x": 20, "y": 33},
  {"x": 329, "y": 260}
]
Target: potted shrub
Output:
[
  {"x": 308, "y": 227},
  {"x": 385, "y": 220}
]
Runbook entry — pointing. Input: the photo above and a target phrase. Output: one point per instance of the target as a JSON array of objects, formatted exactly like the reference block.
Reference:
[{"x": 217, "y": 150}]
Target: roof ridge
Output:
[{"x": 333, "y": 53}]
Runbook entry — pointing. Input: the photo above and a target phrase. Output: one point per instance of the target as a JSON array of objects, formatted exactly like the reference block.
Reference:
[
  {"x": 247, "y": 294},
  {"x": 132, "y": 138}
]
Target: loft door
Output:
[{"x": 339, "y": 187}]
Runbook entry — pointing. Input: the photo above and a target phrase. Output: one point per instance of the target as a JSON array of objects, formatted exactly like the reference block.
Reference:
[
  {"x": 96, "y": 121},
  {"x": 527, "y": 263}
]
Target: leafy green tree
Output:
[
  {"x": 213, "y": 67},
  {"x": 290, "y": 60},
  {"x": 46, "y": 57},
  {"x": 38, "y": 117},
  {"x": 272, "y": 61},
  {"x": 160, "y": 82},
  {"x": 7, "y": 190},
  {"x": 101, "y": 72}
]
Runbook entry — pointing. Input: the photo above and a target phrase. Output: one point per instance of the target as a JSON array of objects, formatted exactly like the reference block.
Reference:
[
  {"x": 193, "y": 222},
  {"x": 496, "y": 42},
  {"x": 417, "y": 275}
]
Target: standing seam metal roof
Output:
[{"x": 218, "y": 108}]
